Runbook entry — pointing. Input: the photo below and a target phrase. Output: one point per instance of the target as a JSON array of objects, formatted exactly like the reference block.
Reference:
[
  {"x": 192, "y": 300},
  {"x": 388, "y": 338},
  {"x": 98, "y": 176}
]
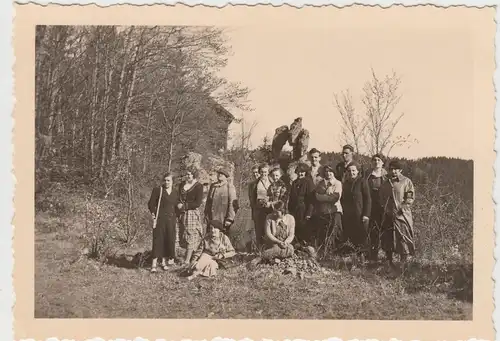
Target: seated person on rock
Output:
[
  {"x": 279, "y": 233},
  {"x": 215, "y": 246}
]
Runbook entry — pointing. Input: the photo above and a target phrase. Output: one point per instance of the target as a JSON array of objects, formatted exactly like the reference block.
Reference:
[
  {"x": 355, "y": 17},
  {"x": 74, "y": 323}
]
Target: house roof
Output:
[{"x": 222, "y": 111}]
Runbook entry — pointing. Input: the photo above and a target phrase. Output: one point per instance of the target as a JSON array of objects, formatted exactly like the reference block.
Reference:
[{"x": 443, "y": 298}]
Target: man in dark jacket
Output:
[{"x": 348, "y": 156}]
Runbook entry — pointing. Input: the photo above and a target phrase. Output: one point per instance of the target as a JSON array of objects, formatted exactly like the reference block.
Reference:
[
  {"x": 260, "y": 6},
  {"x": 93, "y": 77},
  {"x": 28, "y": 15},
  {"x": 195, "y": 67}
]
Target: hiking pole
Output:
[{"x": 155, "y": 219}]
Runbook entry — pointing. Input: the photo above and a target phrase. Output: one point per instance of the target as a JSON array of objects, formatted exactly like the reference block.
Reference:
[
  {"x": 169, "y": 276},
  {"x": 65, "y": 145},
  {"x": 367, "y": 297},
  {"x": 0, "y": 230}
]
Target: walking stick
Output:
[{"x": 155, "y": 220}]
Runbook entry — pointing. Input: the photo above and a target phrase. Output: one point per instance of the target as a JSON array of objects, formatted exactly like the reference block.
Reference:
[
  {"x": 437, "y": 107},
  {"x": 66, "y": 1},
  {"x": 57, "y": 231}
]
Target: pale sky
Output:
[{"x": 294, "y": 71}]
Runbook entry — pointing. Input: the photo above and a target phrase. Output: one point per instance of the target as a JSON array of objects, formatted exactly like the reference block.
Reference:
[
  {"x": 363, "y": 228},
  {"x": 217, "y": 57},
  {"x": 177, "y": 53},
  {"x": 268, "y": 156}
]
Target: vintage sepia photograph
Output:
[
  {"x": 158, "y": 172},
  {"x": 257, "y": 170}
]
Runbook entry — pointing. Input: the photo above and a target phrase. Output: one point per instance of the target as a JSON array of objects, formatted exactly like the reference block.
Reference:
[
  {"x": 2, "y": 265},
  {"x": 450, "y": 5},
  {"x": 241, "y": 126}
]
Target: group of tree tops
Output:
[{"x": 346, "y": 207}]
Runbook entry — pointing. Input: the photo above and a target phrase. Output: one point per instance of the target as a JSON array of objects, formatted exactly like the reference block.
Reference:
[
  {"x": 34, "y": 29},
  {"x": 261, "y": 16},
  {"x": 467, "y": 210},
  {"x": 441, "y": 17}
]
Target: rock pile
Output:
[{"x": 298, "y": 266}]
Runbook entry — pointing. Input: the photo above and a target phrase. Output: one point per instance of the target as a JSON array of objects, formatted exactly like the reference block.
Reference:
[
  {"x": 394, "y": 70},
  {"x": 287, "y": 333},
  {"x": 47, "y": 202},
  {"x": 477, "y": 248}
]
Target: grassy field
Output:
[{"x": 70, "y": 285}]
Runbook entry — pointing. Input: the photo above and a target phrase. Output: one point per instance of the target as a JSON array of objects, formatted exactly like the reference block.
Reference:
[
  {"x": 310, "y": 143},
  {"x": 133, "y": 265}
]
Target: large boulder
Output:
[
  {"x": 279, "y": 140},
  {"x": 301, "y": 146},
  {"x": 295, "y": 129}
]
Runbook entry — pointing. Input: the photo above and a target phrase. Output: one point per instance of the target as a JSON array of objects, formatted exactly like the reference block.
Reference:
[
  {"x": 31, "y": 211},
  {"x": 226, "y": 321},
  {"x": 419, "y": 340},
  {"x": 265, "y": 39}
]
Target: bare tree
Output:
[
  {"x": 244, "y": 147},
  {"x": 373, "y": 130},
  {"x": 381, "y": 97},
  {"x": 353, "y": 125}
]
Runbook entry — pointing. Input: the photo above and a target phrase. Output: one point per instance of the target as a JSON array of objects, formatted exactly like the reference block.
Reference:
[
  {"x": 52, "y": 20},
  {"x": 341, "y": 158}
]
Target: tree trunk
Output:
[
  {"x": 104, "y": 110},
  {"x": 148, "y": 148}
]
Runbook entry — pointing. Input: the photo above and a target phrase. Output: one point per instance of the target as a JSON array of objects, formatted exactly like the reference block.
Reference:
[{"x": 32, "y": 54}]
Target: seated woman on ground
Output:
[
  {"x": 215, "y": 246},
  {"x": 279, "y": 233}
]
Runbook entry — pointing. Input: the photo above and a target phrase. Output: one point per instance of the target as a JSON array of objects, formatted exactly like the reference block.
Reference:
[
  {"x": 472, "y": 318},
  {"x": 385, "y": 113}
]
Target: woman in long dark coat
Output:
[
  {"x": 356, "y": 205},
  {"x": 164, "y": 216},
  {"x": 375, "y": 178},
  {"x": 299, "y": 200}
]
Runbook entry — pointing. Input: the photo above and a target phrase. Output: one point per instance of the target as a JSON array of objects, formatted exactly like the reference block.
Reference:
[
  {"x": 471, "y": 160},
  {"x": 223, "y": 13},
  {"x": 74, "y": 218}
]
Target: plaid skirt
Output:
[{"x": 191, "y": 229}]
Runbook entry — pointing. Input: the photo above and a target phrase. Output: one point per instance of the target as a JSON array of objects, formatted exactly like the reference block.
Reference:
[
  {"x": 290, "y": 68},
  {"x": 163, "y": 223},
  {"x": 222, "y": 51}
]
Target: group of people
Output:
[
  {"x": 346, "y": 208},
  {"x": 201, "y": 230},
  {"x": 318, "y": 208}
]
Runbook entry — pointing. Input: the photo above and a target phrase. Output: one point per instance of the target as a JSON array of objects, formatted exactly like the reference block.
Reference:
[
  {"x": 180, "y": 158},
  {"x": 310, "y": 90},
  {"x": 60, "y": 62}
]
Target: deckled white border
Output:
[{"x": 7, "y": 101}]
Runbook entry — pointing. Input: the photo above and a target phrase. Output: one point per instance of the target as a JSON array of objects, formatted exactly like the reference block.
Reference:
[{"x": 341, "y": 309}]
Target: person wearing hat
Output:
[
  {"x": 397, "y": 195},
  {"x": 221, "y": 198},
  {"x": 348, "y": 158},
  {"x": 214, "y": 247},
  {"x": 298, "y": 202},
  {"x": 325, "y": 210}
]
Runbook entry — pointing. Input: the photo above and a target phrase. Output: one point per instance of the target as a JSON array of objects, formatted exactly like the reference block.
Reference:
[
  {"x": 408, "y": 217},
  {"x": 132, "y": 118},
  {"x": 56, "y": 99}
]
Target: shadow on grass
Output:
[
  {"x": 139, "y": 260},
  {"x": 454, "y": 280},
  {"x": 144, "y": 259}
]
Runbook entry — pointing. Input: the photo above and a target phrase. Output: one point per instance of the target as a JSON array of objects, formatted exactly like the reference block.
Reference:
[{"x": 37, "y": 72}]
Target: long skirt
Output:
[
  {"x": 375, "y": 231},
  {"x": 397, "y": 235},
  {"x": 302, "y": 232},
  {"x": 191, "y": 229},
  {"x": 326, "y": 229},
  {"x": 164, "y": 237},
  {"x": 275, "y": 251},
  {"x": 356, "y": 232},
  {"x": 206, "y": 266},
  {"x": 260, "y": 224}
]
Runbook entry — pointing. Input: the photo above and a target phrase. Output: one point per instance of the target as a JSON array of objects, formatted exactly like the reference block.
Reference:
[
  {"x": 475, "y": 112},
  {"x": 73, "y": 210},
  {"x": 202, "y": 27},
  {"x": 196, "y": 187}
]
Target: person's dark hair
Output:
[
  {"x": 355, "y": 164},
  {"x": 380, "y": 156},
  {"x": 167, "y": 174},
  {"x": 216, "y": 224},
  {"x": 301, "y": 167},
  {"x": 279, "y": 206},
  {"x": 262, "y": 166},
  {"x": 193, "y": 170},
  {"x": 314, "y": 150},
  {"x": 325, "y": 169},
  {"x": 276, "y": 169},
  {"x": 348, "y": 146},
  {"x": 395, "y": 164},
  {"x": 255, "y": 167}
]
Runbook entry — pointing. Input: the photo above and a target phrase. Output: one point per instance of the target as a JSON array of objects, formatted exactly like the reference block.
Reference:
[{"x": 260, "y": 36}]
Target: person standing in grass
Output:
[
  {"x": 190, "y": 221},
  {"x": 162, "y": 205},
  {"x": 356, "y": 208},
  {"x": 315, "y": 171},
  {"x": 279, "y": 233},
  {"x": 262, "y": 198},
  {"x": 214, "y": 247},
  {"x": 376, "y": 177},
  {"x": 299, "y": 199},
  {"x": 348, "y": 158},
  {"x": 326, "y": 210},
  {"x": 252, "y": 191},
  {"x": 220, "y": 200},
  {"x": 397, "y": 195}
]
